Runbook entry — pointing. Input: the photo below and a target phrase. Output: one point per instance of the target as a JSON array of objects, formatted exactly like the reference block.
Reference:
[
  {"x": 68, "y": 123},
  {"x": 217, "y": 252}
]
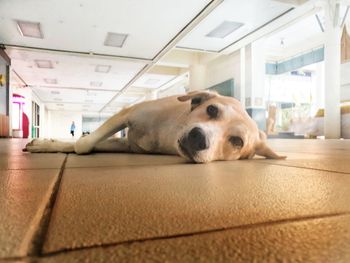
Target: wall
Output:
[
  {"x": 59, "y": 124},
  {"x": 345, "y": 82},
  {"x": 27, "y": 109},
  {"x": 222, "y": 69},
  {"x": 3, "y": 92}
]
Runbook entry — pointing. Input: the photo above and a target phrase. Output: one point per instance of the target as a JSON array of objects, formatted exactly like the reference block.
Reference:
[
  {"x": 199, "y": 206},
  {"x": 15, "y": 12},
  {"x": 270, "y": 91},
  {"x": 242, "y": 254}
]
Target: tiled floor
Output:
[{"x": 122, "y": 208}]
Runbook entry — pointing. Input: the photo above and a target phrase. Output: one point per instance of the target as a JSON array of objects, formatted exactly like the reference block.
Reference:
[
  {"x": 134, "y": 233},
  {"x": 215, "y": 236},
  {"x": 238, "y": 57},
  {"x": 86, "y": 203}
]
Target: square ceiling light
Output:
[
  {"x": 29, "y": 29},
  {"x": 224, "y": 29},
  {"x": 95, "y": 83},
  {"x": 56, "y": 92},
  {"x": 102, "y": 68},
  {"x": 50, "y": 81},
  {"x": 115, "y": 39},
  {"x": 43, "y": 63}
]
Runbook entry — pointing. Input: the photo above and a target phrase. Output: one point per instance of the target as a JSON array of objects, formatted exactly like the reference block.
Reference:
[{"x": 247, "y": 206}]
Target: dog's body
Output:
[{"x": 200, "y": 126}]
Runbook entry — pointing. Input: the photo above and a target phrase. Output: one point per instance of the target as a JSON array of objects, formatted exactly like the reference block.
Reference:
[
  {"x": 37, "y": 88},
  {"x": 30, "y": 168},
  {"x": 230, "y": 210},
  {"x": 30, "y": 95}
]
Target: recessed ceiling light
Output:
[
  {"x": 224, "y": 29},
  {"x": 151, "y": 81},
  {"x": 57, "y": 99},
  {"x": 102, "y": 68},
  {"x": 95, "y": 83},
  {"x": 89, "y": 93},
  {"x": 55, "y": 92},
  {"x": 89, "y": 101},
  {"x": 43, "y": 63},
  {"x": 29, "y": 29},
  {"x": 115, "y": 39},
  {"x": 51, "y": 81},
  {"x": 59, "y": 104}
]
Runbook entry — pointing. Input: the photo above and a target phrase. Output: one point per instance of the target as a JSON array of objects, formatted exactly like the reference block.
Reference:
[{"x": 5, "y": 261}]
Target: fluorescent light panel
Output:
[
  {"x": 55, "y": 92},
  {"x": 224, "y": 29},
  {"x": 43, "y": 63},
  {"x": 29, "y": 29},
  {"x": 50, "y": 81},
  {"x": 95, "y": 83},
  {"x": 115, "y": 39},
  {"x": 102, "y": 68}
]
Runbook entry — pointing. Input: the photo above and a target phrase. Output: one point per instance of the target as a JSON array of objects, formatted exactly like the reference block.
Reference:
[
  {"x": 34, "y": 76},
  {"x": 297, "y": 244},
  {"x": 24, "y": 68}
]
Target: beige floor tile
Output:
[
  {"x": 103, "y": 205},
  {"x": 318, "y": 240},
  {"x": 31, "y": 161},
  {"x": 12, "y": 146},
  {"x": 23, "y": 196},
  {"x": 120, "y": 159},
  {"x": 335, "y": 162},
  {"x": 322, "y": 147}
]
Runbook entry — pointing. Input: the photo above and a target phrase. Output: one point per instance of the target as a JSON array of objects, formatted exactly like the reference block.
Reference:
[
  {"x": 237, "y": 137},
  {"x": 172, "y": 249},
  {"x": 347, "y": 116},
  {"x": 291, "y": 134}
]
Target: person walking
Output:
[{"x": 72, "y": 129}]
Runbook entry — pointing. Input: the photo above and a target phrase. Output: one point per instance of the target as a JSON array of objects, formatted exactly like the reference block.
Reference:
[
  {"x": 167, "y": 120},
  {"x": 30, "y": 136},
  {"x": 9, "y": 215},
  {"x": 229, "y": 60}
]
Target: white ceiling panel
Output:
[
  {"x": 48, "y": 94},
  {"x": 295, "y": 39},
  {"x": 253, "y": 14},
  {"x": 72, "y": 71},
  {"x": 73, "y": 107},
  {"x": 83, "y": 25},
  {"x": 153, "y": 81}
]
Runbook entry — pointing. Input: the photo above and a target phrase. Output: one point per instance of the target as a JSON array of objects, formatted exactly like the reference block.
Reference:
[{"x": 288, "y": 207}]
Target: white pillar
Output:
[
  {"x": 317, "y": 91},
  {"x": 332, "y": 71},
  {"x": 197, "y": 74},
  {"x": 197, "y": 77},
  {"x": 243, "y": 76},
  {"x": 258, "y": 73}
]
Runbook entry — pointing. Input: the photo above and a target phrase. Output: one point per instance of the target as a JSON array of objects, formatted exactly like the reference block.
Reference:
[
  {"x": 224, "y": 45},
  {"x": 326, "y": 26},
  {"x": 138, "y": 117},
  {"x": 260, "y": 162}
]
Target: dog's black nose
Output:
[{"x": 197, "y": 140}]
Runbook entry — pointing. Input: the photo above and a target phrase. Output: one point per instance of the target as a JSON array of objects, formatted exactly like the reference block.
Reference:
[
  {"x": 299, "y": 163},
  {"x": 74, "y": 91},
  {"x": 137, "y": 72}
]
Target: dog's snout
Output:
[{"x": 197, "y": 140}]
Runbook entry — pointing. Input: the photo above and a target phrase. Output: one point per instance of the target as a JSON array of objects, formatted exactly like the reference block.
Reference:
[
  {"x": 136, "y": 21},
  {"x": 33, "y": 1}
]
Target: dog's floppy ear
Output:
[
  {"x": 263, "y": 150},
  {"x": 197, "y": 97}
]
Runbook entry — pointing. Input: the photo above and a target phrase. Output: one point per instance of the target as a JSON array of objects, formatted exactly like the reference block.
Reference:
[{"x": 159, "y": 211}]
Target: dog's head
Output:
[{"x": 218, "y": 128}]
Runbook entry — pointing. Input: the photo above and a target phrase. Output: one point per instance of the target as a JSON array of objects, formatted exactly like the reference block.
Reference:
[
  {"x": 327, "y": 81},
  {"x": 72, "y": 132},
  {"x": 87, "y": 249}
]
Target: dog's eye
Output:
[
  {"x": 236, "y": 141},
  {"x": 212, "y": 111}
]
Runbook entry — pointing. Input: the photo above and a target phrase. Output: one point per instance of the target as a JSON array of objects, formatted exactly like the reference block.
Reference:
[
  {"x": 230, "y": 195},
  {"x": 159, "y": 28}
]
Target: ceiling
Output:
[
  {"x": 83, "y": 25},
  {"x": 74, "y": 37},
  {"x": 301, "y": 36},
  {"x": 252, "y": 14}
]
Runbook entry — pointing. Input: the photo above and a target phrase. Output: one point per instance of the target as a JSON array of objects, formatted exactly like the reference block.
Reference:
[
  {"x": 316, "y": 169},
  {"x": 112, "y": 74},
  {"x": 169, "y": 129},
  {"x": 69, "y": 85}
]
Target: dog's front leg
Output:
[
  {"x": 111, "y": 126},
  {"x": 49, "y": 146},
  {"x": 113, "y": 145}
]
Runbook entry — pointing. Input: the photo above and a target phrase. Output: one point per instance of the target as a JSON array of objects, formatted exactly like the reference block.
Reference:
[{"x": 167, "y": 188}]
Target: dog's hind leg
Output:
[
  {"x": 112, "y": 145},
  {"x": 114, "y": 124}
]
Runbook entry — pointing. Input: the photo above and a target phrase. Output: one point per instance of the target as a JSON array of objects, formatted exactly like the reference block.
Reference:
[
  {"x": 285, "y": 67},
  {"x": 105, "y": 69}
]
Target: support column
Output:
[
  {"x": 254, "y": 82},
  {"x": 197, "y": 75},
  {"x": 243, "y": 76},
  {"x": 332, "y": 125}
]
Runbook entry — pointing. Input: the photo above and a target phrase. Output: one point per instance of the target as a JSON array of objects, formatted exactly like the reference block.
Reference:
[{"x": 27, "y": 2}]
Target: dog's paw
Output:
[
  {"x": 83, "y": 145},
  {"x": 38, "y": 146}
]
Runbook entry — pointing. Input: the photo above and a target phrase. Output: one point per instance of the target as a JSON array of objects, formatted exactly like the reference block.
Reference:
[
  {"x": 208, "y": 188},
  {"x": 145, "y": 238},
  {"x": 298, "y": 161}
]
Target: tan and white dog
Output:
[{"x": 201, "y": 126}]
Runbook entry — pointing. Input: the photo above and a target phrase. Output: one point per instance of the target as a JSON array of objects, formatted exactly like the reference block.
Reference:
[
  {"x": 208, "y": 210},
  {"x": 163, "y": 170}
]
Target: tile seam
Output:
[
  {"x": 33, "y": 240},
  {"x": 302, "y": 167},
  {"x": 198, "y": 233}
]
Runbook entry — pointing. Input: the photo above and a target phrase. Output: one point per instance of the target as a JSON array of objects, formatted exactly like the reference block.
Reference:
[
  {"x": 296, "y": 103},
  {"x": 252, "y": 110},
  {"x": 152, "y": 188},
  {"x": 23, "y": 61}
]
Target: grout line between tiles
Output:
[
  {"x": 303, "y": 167},
  {"x": 33, "y": 241},
  {"x": 183, "y": 235}
]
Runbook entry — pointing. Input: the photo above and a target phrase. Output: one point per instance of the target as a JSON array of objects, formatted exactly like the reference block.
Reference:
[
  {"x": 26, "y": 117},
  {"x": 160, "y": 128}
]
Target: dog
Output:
[{"x": 200, "y": 126}]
